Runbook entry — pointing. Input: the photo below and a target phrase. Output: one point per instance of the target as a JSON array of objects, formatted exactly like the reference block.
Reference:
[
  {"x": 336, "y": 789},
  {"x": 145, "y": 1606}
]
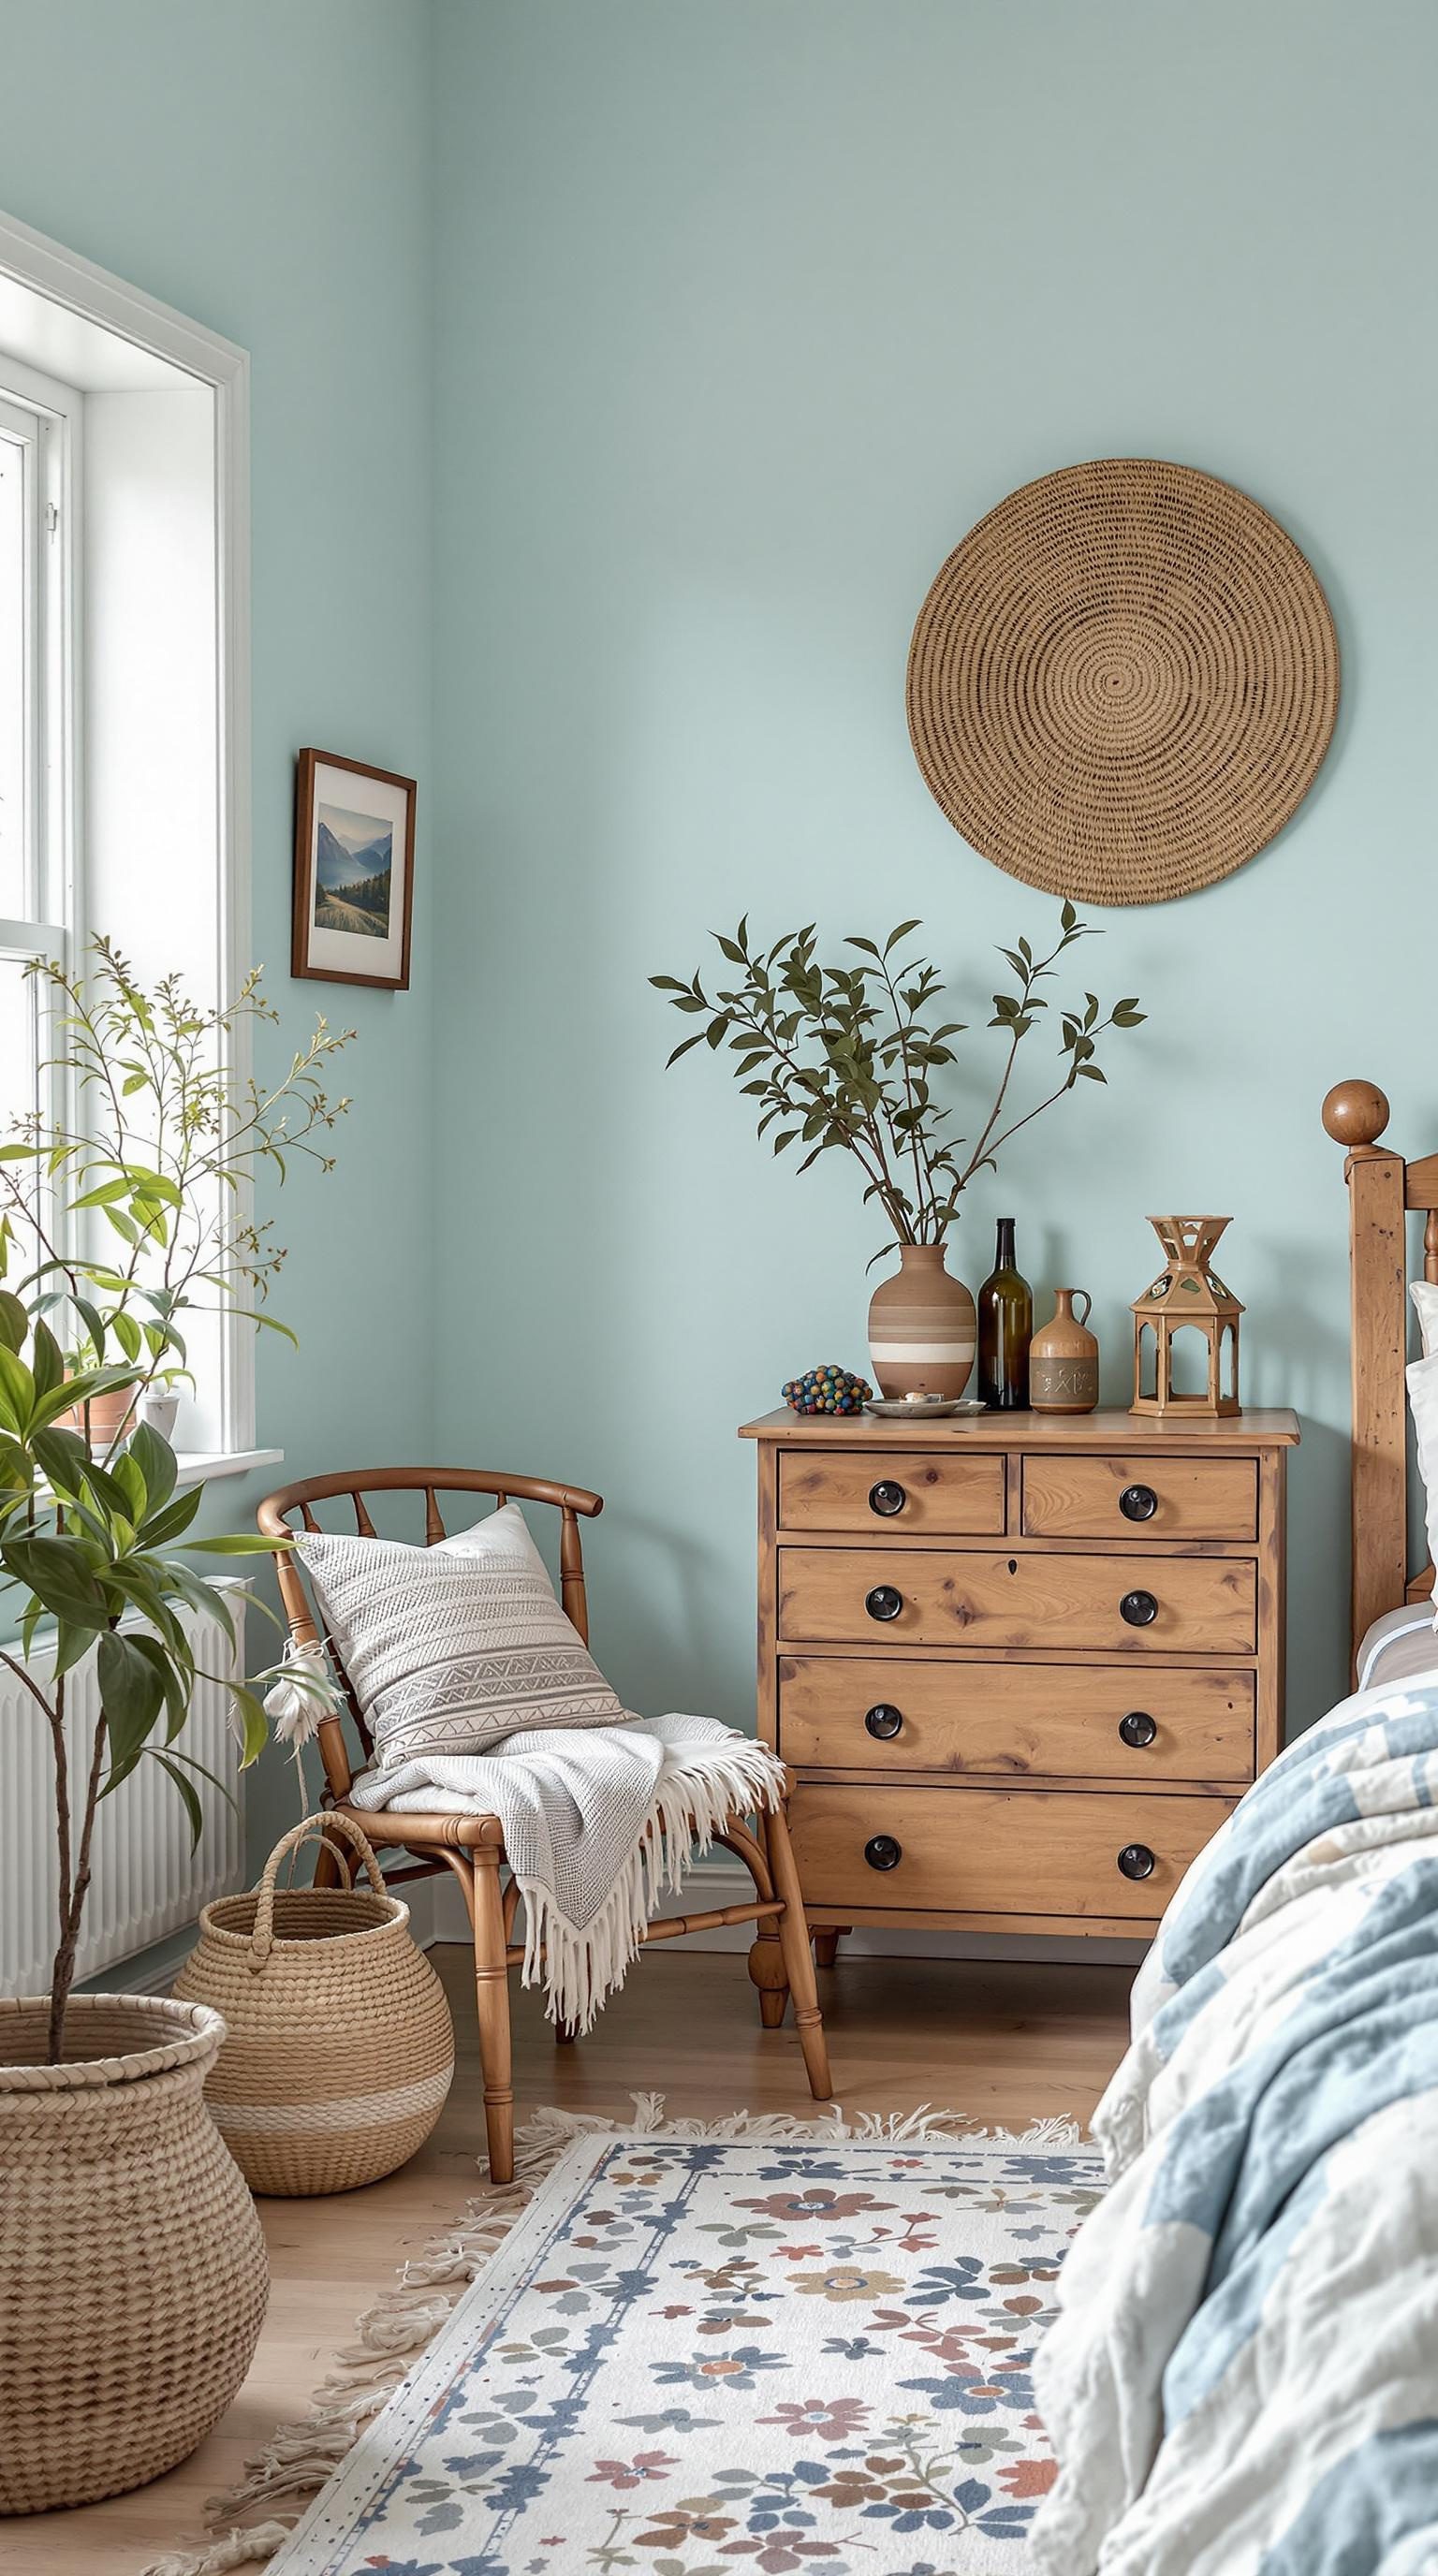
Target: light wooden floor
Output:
[{"x": 1006, "y": 2044}]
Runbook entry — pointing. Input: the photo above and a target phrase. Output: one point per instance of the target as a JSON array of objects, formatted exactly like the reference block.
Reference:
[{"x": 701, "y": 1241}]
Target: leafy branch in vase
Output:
[{"x": 841, "y": 1057}]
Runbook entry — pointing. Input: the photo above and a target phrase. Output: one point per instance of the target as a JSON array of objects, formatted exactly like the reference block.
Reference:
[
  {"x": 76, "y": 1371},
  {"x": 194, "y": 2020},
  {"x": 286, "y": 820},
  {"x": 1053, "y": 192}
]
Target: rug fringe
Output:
[
  {"x": 298, "y": 2458},
  {"x": 236, "y": 2549},
  {"x": 550, "y": 2130}
]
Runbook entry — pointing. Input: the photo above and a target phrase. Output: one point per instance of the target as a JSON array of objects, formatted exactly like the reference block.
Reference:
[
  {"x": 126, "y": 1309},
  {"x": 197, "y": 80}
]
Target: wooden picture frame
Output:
[{"x": 354, "y": 872}]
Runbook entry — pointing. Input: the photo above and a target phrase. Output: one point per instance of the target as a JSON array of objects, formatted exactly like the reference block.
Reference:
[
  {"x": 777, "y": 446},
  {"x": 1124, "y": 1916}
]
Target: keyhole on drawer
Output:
[{"x": 1013, "y": 1565}]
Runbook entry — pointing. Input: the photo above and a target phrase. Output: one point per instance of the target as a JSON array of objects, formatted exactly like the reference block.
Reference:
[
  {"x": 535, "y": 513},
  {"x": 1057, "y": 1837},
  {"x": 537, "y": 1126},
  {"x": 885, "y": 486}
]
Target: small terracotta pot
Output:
[
  {"x": 109, "y": 1414},
  {"x": 921, "y": 1327},
  {"x": 1063, "y": 1359}
]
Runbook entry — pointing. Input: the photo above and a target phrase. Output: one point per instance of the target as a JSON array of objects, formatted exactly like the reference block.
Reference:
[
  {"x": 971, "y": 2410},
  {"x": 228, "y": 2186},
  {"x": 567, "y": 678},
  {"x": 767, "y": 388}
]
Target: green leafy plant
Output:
[
  {"x": 842, "y": 1056},
  {"x": 120, "y": 1218}
]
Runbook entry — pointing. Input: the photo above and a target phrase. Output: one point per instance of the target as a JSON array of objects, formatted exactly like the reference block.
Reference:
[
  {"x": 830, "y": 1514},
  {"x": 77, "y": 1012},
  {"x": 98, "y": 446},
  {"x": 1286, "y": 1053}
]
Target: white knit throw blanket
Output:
[{"x": 599, "y": 1822}]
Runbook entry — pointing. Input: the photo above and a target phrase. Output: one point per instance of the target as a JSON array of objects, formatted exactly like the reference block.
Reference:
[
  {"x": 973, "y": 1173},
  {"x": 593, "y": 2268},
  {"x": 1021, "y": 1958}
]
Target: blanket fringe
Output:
[
  {"x": 579, "y": 1970},
  {"x": 298, "y": 2458}
]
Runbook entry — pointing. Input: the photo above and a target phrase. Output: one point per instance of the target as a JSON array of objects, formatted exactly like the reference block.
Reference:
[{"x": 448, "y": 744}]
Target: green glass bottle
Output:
[{"x": 1006, "y": 1324}]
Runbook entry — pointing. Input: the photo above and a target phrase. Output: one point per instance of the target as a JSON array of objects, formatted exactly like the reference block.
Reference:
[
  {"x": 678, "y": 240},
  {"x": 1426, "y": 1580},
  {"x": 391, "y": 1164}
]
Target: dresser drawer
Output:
[
  {"x": 1140, "y": 1497},
  {"x": 899, "y": 1489},
  {"x": 956, "y": 1713},
  {"x": 995, "y": 1851},
  {"x": 1139, "y": 1602}
]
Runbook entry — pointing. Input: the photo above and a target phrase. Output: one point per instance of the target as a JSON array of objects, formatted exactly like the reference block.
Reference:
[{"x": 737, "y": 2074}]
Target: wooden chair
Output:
[{"x": 472, "y": 1847}]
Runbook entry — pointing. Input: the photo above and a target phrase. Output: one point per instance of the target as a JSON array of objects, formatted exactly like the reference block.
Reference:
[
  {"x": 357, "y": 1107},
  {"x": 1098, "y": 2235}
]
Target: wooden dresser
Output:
[{"x": 1021, "y": 1666}]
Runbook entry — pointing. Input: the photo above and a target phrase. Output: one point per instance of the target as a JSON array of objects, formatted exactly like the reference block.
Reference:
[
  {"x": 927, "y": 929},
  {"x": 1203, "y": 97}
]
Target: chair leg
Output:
[
  {"x": 797, "y": 1955},
  {"x": 826, "y": 1942},
  {"x": 491, "y": 1988},
  {"x": 769, "y": 1973}
]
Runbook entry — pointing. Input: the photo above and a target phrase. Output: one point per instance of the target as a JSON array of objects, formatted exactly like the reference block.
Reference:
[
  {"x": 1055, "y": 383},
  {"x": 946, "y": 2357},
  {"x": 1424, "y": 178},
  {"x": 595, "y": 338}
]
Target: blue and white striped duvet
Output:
[{"x": 1243, "y": 2380}]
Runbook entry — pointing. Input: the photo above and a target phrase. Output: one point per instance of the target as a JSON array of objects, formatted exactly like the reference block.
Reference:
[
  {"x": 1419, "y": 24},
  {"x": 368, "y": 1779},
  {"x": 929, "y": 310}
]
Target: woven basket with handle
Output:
[{"x": 339, "y": 2048}]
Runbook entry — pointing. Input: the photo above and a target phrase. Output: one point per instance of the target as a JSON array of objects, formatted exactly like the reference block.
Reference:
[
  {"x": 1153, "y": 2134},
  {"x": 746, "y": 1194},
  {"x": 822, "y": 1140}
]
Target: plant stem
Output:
[
  {"x": 1041, "y": 967},
  {"x": 981, "y": 1148},
  {"x": 54, "y": 1714},
  {"x": 71, "y": 1913},
  {"x": 1041, "y": 1105},
  {"x": 923, "y": 1175},
  {"x": 59, "y": 1992}
]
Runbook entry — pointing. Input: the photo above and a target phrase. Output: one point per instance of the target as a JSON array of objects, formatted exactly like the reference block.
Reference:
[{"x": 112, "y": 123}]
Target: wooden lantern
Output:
[{"x": 1187, "y": 1298}]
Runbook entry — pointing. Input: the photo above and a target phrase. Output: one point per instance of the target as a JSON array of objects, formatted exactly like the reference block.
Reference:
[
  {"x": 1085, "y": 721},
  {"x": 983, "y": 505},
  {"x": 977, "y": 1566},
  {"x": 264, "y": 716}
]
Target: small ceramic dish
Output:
[{"x": 922, "y": 1408}]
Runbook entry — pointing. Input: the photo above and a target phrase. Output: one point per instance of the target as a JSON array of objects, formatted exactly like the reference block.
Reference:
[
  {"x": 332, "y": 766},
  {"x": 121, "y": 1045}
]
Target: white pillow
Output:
[
  {"x": 1397, "y": 1648},
  {"x": 1422, "y": 1376},
  {"x": 1425, "y": 1299},
  {"x": 452, "y": 1647}
]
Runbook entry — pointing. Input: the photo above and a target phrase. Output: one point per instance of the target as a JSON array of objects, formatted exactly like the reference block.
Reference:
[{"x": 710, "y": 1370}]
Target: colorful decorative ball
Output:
[{"x": 827, "y": 1389}]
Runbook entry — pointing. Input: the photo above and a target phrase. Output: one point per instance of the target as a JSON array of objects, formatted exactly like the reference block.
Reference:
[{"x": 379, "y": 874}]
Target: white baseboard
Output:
[
  {"x": 437, "y": 1914},
  {"x": 150, "y": 1972}
]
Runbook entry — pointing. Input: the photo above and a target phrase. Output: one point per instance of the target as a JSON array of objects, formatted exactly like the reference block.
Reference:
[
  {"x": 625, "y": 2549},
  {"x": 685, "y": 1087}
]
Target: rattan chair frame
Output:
[{"x": 472, "y": 1846}]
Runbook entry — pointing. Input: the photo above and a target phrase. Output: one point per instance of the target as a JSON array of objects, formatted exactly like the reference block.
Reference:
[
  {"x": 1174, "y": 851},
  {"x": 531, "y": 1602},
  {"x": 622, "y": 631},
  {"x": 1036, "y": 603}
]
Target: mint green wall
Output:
[
  {"x": 747, "y": 313},
  {"x": 265, "y": 167},
  {"x": 740, "y": 314}
]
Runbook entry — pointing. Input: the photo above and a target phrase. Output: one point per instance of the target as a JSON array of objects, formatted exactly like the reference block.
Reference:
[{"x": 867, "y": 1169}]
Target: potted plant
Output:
[
  {"x": 842, "y": 1056},
  {"x": 160, "y": 1403},
  {"x": 132, "y": 2270},
  {"x": 98, "y": 1418}
]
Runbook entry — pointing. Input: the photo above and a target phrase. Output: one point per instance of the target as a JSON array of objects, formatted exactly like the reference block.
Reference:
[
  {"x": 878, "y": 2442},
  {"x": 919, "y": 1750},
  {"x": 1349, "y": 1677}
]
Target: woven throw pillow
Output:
[{"x": 454, "y": 1646}]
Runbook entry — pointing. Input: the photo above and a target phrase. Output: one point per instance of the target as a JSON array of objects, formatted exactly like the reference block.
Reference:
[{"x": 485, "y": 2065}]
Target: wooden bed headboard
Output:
[{"x": 1382, "y": 1190}]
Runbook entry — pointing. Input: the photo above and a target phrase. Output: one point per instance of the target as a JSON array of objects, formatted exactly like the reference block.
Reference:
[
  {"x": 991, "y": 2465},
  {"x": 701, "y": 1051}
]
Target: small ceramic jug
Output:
[{"x": 1063, "y": 1359}]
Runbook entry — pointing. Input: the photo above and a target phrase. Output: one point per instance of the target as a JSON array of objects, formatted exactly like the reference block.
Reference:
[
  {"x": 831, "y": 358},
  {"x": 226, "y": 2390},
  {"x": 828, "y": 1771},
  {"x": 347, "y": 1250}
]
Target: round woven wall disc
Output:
[{"x": 1123, "y": 681}]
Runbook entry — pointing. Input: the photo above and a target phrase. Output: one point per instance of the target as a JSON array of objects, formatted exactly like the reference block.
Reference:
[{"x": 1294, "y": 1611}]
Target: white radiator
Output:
[{"x": 144, "y": 1880}]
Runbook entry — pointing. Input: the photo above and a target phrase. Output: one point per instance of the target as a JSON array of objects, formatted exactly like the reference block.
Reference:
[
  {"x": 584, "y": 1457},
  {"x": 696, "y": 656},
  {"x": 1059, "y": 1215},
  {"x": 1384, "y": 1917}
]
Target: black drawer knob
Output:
[
  {"x": 884, "y": 1602},
  {"x": 882, "y": 1852},
  {"x": 1139, "y": 1609},
  {"x": 1136, "y": 1861},
  {"x": 887, "y": 1497},
  {"x": 1137, "y": 1728},
  {"x": 884, "y": 1720},
  {"x": 1138, "y": 1502}
]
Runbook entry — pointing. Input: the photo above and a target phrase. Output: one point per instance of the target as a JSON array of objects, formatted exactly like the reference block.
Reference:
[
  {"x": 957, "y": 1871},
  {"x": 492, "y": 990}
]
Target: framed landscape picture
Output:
[{"x": 354, "y": 865}]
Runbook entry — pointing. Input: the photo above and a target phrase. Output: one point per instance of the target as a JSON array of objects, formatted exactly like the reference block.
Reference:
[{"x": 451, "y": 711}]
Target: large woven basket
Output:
[
  {"x": 339, "y": 2049},
  {"x": 133, "y": 2275}
]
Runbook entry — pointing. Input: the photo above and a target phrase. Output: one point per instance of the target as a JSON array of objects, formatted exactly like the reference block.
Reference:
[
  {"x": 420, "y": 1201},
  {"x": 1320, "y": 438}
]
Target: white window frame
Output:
[
  {"x": 47, "y": 416},
  {"x": 79, "y": 288}
]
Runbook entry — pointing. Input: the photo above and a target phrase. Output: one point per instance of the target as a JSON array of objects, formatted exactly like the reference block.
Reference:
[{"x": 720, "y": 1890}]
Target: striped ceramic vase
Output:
[{"x": 921, "y": 1327}]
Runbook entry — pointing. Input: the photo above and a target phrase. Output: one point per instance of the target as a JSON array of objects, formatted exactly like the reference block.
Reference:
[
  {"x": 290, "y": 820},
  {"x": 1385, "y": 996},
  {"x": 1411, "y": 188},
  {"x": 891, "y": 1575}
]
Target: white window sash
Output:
[{"x": 87, "y": 298}]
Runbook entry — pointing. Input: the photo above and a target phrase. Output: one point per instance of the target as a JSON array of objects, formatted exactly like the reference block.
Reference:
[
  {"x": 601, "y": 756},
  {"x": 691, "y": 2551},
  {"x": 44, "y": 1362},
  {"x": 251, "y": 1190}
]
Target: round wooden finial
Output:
[{"x": 1355, "y": 1113}]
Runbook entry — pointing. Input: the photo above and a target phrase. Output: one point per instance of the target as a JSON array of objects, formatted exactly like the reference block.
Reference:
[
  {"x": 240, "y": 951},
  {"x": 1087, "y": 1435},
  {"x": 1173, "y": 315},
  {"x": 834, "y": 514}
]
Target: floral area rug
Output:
[{"x": 701, "y": 2355}]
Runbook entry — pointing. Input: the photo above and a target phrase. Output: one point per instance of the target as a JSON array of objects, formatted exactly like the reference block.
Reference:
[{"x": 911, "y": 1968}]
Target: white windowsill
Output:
[{"x": 201, "y": 1466}]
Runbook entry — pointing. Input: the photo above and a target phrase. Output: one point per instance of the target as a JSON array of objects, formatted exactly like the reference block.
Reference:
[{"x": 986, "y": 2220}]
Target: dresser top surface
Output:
[{"x": 1111, "y": 1427}]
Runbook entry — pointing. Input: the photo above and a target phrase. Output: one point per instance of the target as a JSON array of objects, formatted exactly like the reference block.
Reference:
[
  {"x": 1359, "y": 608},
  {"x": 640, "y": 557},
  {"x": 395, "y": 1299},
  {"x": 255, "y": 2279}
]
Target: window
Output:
[
  {"x": 124, "y": 740},
  {"x": 39, "y": 428}
]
